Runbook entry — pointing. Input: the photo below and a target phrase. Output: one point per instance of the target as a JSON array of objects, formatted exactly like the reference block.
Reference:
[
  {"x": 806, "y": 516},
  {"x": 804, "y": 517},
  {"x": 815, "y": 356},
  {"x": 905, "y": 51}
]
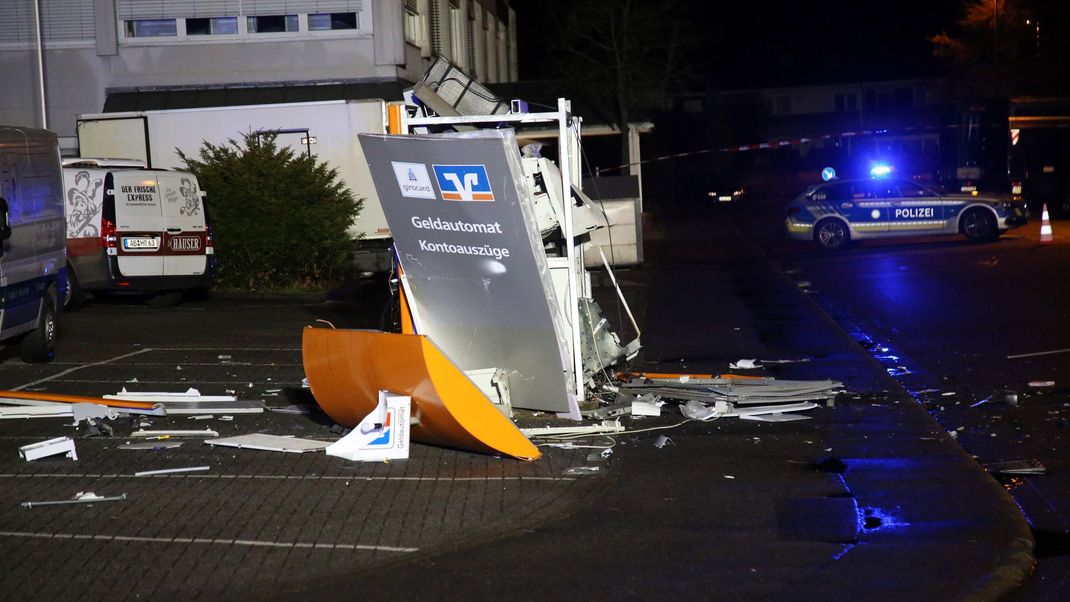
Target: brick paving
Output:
[{"x": 256, "y": 521}]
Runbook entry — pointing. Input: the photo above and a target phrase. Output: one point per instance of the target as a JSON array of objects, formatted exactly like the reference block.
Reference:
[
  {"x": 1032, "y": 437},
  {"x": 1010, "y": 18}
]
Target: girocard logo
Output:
[
  {"x": 413, "y": 180},
  {"x": 463, "y": 182},
  {"x": 384, "y": 439}
]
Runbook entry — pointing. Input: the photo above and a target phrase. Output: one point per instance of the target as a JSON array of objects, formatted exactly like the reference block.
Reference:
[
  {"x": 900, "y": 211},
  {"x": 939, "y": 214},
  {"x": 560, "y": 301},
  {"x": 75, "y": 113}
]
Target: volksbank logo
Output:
[{"x": 463, "y": 182}]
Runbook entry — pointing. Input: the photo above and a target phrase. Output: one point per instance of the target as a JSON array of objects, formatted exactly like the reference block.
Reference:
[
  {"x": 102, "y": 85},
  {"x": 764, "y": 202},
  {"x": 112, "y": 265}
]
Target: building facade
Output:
[{"x": 91, "y": 49}]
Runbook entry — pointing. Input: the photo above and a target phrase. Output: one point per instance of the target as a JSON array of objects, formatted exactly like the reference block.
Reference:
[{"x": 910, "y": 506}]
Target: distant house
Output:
[{"x": 153, "y": 54}]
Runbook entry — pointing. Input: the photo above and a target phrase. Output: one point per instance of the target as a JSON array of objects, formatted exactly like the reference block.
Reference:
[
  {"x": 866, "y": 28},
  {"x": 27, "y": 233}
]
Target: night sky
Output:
[{"x": 763, "y": 44}]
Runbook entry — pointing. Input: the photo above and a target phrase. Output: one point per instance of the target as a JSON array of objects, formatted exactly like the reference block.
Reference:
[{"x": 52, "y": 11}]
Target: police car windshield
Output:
[{"x": 877, "y": 188}]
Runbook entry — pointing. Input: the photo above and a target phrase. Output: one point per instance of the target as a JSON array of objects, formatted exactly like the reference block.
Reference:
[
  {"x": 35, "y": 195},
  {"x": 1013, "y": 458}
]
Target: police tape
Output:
[{"x": 778, "y": 144}]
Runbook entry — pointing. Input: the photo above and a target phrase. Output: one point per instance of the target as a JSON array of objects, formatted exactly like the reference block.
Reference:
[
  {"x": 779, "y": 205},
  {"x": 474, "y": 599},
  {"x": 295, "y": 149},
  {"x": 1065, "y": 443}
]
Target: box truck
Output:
[{"x": 326, "y": 129}]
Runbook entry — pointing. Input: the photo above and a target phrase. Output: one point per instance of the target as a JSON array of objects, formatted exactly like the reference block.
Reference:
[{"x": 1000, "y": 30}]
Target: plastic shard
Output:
[
  {"x": 382, "y": 435},
  {"x": 346, "y": 369}
]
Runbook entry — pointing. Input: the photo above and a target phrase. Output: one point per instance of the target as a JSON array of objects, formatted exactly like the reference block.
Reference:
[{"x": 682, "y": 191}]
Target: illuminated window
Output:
[
  {"x": 272, "y": 23},
  {"x": 212, "y": 27},
  {"x": 151, "y": 28},
  {"x": 329, "y": 21}
]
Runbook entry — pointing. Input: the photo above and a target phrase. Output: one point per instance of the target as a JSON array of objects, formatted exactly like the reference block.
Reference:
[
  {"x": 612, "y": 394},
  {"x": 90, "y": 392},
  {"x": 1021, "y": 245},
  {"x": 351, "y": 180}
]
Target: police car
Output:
[{"x": 838, "y": 212}]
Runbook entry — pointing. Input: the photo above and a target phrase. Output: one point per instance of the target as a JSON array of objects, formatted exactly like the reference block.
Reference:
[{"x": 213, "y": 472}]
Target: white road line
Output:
[
  {"x": 54, "y": 475},
  {"x": 217, "y": 541},
  {"x": 82, "y": 367}
]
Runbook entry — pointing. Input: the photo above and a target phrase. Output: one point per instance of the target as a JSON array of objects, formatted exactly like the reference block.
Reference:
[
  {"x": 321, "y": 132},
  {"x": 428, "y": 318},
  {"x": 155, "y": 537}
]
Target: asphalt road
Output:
[{"x": 947, "y": 319}]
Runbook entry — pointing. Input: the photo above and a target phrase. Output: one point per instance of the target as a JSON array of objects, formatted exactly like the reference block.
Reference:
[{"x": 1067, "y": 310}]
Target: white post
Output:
[
  {"x": 565, "y": 151},
  {"x": 40, "y": 62}
]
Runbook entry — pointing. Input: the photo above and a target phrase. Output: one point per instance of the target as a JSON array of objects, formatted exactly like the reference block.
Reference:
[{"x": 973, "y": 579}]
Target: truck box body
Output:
[{"x": 326, "y": 129}]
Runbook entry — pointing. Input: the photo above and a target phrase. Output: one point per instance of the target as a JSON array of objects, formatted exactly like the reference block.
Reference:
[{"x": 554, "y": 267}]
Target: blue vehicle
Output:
[
  {"x": 838, "y": 212},
  {"x": 33, "y": 273}
]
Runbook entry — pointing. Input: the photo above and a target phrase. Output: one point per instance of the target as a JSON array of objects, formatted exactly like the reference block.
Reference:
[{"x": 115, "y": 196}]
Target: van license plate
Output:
[{"x": 141, "y": 243}]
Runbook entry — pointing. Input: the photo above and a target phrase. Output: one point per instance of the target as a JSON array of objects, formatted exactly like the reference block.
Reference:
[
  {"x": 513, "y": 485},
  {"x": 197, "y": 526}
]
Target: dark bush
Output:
[{"x": 280, "y": 218}]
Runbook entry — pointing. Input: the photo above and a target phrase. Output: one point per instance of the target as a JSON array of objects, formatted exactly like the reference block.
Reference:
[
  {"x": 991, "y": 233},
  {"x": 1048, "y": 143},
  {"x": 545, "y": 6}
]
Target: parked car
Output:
[
  {"x": 837, "y": 212},
  {"x": 135, "y": 229},
  {"x": 32, "y": 267}
]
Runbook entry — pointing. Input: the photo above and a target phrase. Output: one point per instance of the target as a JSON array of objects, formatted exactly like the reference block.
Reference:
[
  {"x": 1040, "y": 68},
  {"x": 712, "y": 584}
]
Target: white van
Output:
[
  {"x": 33, "y": 275},
  {"x": 135, "y": 229}
]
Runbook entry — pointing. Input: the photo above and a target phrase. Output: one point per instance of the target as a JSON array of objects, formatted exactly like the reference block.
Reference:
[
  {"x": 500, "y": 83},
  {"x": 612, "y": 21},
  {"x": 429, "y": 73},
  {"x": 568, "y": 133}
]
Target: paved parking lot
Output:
[{"x": 256, "y": 523}]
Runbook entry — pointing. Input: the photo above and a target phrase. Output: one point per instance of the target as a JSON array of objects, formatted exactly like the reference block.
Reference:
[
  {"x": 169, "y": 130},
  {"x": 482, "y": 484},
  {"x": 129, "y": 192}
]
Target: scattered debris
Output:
[
  {"x": 192, "y": 402},
  {"x": 44, "y": 411},
  {"x": 133, "y": 407},
  {"x": 151, "y": 445},
  {"x": 607, "y": 426},
  {"x": 1017, "y": 467},
  {"x": 579, "y": 471},
  {"x": 91, "y": 411},
  {"x": 745, "y": 365},
  {"x": 164, "y": 471},
  {"x": 51, "y": 447},
  {"x": 739, "y": 391},
  {"x": 646, "y": 405},
  {"x": 773, "y": 417},
  {"x": 87, "y": 497},
  {"x": 1007, "y": 397},
  {"x": 662, "y": 441},
  {"x": 297, "y": 408},
  {"x": 275, "y": 443},
  {"x": 175, "y": 433}
]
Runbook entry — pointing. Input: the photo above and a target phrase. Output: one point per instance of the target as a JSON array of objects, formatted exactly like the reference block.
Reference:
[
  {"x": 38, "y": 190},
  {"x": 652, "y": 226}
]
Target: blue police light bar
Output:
[{"x": 880, "y": 170}]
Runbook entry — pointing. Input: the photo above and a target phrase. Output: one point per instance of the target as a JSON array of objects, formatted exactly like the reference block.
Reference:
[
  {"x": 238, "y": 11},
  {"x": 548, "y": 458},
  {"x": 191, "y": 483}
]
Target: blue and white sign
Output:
[
  {"x": 828, "y": 174},
  {"x": 463, "y": 182}
]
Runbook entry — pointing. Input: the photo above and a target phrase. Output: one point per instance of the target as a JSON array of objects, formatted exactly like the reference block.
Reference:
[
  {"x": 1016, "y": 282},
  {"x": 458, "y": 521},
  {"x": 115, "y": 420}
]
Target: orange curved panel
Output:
[{"x": 346, "y": 369}]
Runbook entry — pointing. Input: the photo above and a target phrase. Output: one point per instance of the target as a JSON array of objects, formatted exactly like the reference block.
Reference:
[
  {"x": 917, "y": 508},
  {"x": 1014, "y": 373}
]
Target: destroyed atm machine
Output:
[{"x": 496, "y": 307}]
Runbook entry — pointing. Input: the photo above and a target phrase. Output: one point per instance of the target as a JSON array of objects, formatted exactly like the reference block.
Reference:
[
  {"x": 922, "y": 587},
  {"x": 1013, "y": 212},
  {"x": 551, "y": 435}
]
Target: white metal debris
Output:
[
  {"x": 275, "y": 443},
  {"x": 51, "y": 447},
  {"x": 35, "y": 411},
  {"x": 87, "y": 497},
  {"x": 607, "y": 426},
  {"x": 175, "y": 433},
  {"x": 164, "y": 471}
]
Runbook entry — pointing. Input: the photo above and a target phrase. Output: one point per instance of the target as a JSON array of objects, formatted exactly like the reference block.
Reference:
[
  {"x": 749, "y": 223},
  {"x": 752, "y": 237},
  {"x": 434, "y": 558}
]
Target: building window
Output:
[
  {"x": 852, "y": 102},
  {"x": 212, "y": 27},
  {"x": 458, "y": 50},
  {"x": 272, "y": 23},
  {"x": 151, "y": 28},
  {"x": 415, "y": 24},
  {"x": 329, "y": 21}
]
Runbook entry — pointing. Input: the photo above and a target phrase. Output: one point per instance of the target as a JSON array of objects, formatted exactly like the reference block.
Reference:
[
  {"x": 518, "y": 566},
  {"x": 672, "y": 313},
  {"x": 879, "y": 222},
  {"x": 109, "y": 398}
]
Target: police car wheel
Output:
[
  {"x": 831, "y": 234},
  {"x": 75, "y": 295},
  {"x": 978, "y": 225},
  {"x": 39, "y": 346}
]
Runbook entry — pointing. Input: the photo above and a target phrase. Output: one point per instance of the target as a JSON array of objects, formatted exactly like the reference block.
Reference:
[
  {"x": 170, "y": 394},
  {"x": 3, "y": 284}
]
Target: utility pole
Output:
[{"x": 40, "y": 62}]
